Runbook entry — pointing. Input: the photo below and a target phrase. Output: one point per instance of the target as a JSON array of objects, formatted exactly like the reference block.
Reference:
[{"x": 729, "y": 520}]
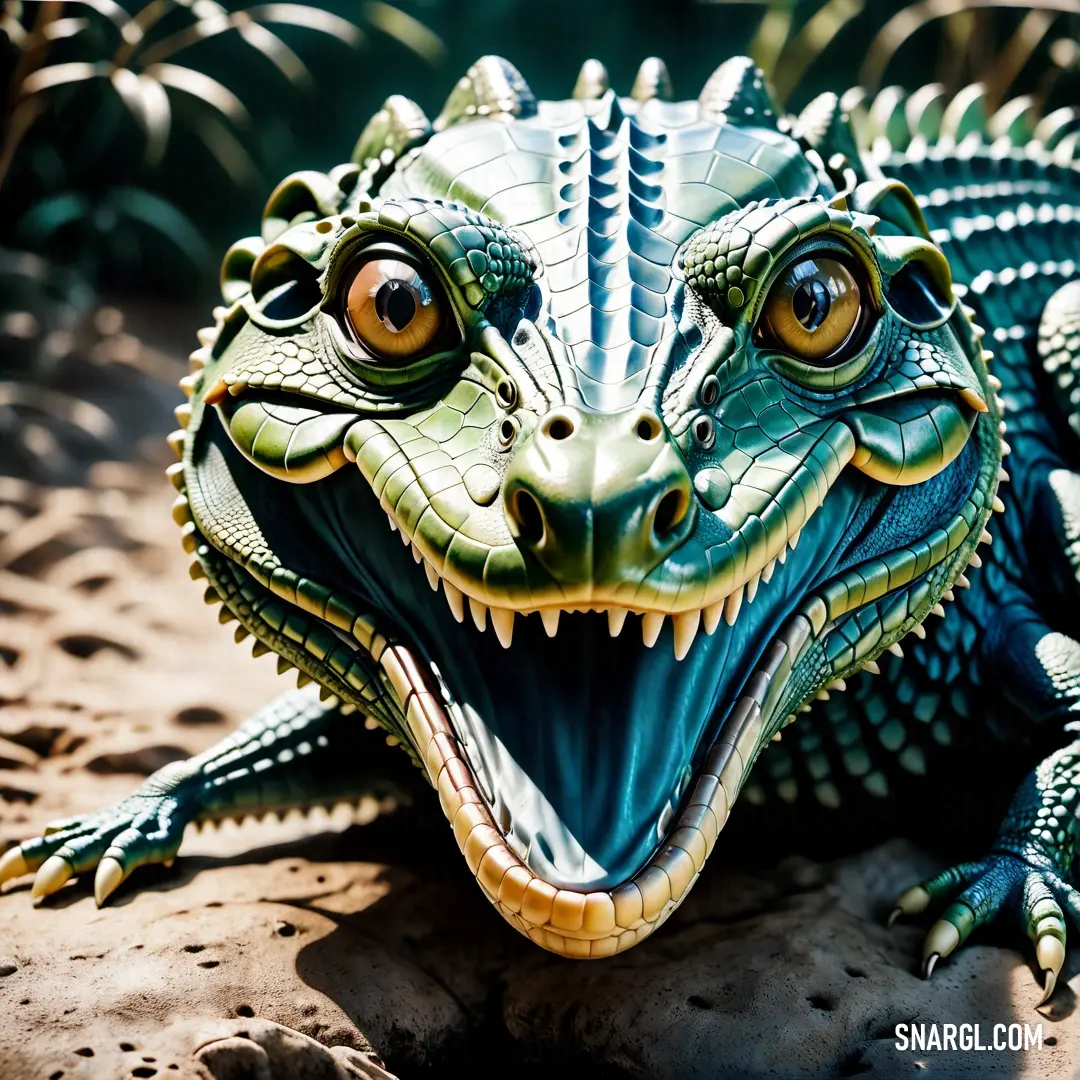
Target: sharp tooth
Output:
[
  {"x": 822, "y": 695},
  {"x": 838, "y": 684},
  {"x": 712, "y": 615},
  {"x": 732, "y": 605},
  {"x": 962, "y": 582},
  {"x": 976, "y": 561},
  {"x": 767, "y": 573},
  {"x": 479, "y": 613},
  {"x": 616, "y": 617},
  {"x": 456, "y": 599},
  {"x": 686, "y": 628},
  {"x": 751, "y": 587},
  {"x": 432, "y": 576},
  {"x": 919, "y": 631},
  {"x": 938, "y": 610},
  {"x": 782, "y": 557},
  {"x": 895, "y": 649},
  {"x": 651, "y": 625},
  {"x": 392, "y": 523},
  {"x": 872, "y": 667},
  {"x": 550, "y": 618},
  {"x": 502, "y": 622},
  {"x": 949, "y": 595},
  {"x": 793, "y": 543},
  {"x": 417, "y": 557},
  {"x": 404, "y": 537}
]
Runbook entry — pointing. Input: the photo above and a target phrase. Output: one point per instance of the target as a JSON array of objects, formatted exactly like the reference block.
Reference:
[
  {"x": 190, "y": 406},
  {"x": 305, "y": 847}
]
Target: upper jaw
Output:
[{"x": 686, "y": 623}]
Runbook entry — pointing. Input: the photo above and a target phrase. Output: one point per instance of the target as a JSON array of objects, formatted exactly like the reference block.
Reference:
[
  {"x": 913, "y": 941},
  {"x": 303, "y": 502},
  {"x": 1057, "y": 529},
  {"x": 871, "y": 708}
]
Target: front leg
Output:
[
  {"x": 296, "y": 751},
  {"x": 1026, "y": 871}
]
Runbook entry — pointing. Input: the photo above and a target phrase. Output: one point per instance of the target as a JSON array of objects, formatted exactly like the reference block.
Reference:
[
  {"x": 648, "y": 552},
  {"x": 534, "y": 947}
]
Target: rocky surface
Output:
[{"x": 312, "y": 948}]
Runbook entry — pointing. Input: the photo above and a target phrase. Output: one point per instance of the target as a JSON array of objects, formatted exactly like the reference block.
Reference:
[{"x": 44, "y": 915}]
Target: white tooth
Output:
[
  {"x": 938, "y": 610},
  {"x": 456, "y": 599},
  {"x": 822, "y": 695},
  {"x": 962, "y": 582},
  {"x": 550, "y": 619},
  {"x": 838, "y": 684},
  {"x": 432, "y": 576},
  {"x": 895, "y": 649},
  {"x": 793, "y": 543},
  {"x": 392, "y": 523},
  {"x": 616, "y": 616},
  {"x": 751, "y": 588},
  {"x": 502, "y": 622},
  {"x": 479, "y": 613},
  {"x": 767, "y": 573},
  {"x": 919, "y": 631},
  {"x": 712, "y": 615},
  {"x": 404, "y": 538},
  {"x": 732, "y": 605},
  {"x": 651, "y": 625},
  {"x": 872, "y": 667},
  {"x": 417, "y": 557},
  {"x": 782, "y": 557},
  {"x": 686, "y": 628}
]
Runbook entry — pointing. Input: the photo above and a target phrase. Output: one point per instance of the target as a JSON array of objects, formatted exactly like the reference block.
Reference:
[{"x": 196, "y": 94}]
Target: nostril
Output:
[
  {"x": 530, "y": 519},
  {"x": 648, "y": 428},
  {"x": 669, "y": 512},
  {"x": 559, "y": 427}
]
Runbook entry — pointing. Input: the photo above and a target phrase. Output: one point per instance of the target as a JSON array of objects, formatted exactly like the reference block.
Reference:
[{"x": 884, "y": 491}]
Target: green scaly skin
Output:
[{"x": 603, "y": 431}]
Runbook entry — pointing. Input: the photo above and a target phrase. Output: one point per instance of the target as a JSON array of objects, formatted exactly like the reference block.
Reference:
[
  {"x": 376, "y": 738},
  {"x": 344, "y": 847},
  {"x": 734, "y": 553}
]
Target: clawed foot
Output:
[
  {"x": 1034, "y": 891},
  {"x": 146, "y": 827}
]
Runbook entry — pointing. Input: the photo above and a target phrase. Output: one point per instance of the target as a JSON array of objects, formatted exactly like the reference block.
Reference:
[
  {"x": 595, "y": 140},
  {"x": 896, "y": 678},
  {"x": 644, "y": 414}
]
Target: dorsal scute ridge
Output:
[{"x": 736, "y": 94}]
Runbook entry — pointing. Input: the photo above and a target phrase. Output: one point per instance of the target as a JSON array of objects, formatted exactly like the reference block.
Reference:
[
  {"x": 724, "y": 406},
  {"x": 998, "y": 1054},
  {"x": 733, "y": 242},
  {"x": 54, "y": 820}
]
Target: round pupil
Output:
[
  {"x": 395, "y": 305},
  {"x": 810, "y": 304}
]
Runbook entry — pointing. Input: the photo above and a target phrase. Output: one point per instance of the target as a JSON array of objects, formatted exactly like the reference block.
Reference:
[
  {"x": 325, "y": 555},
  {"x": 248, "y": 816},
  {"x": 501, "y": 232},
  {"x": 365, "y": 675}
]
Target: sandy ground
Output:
[{"x": 360, "y": 930}]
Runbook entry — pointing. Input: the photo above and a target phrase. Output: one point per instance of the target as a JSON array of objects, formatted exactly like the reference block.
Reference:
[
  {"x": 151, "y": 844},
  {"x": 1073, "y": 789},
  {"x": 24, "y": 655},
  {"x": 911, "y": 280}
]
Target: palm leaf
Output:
[
  {"x": 913, "y": 18},
  {"x": 59, "y": 29},
  {"x": 311, "y": 18},
  {"x": 60, "y": 75},
  {"x": 110, "y": 9},
  {"x": 412, "y": 33},
  {"x": 275, "y": 50},
  {"x": 228, "y": 152},
  {"x": 164, "y": 218},
  {"x": 198, "y": 85},
  {"x": 148, "y": 104},
  {"x": 52, "y": 214}
]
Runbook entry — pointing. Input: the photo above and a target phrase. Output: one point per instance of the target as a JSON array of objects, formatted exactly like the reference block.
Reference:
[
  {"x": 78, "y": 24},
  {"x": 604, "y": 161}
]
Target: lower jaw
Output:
[{"x": 599, "y": 922}]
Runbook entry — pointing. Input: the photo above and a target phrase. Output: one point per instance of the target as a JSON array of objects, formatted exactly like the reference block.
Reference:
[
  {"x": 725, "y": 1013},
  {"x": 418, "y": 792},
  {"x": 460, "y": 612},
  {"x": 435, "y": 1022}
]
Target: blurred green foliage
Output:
[{"x": 140, "y": 138}]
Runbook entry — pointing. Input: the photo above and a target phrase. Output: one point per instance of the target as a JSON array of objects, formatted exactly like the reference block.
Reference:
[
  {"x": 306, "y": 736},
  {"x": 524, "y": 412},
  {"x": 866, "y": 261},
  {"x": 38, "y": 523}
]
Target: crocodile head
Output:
[{"x": 578, "y": 445}]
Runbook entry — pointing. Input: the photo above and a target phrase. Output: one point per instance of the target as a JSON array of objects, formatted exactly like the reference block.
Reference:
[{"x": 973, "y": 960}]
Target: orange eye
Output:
[
  {"x": 813, "y": 309},
  {"x": 392, "y": 310}
]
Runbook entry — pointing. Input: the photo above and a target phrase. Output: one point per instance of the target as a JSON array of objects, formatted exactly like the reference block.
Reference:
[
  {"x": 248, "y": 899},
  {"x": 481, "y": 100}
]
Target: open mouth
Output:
[{"x": 587, "y": 760}]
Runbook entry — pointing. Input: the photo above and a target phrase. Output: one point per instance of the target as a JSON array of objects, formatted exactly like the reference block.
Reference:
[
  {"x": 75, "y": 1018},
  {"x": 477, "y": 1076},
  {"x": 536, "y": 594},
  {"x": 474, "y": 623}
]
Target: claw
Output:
[
  {"x": 913, "y": 901},
  {"x": 109, "y": 875},
  {"x": 940, "y": 942},
  {"x": 53, "y": 875},
  {"x": 1049, "y": 986},
  {"x": 1051, "y": 955},
  {"x": 12, "y": 865}
]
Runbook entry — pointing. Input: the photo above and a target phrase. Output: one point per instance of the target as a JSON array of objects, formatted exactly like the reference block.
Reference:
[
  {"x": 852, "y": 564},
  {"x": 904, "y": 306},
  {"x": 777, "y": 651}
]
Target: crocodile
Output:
[{"x": 687, "y": 410}]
